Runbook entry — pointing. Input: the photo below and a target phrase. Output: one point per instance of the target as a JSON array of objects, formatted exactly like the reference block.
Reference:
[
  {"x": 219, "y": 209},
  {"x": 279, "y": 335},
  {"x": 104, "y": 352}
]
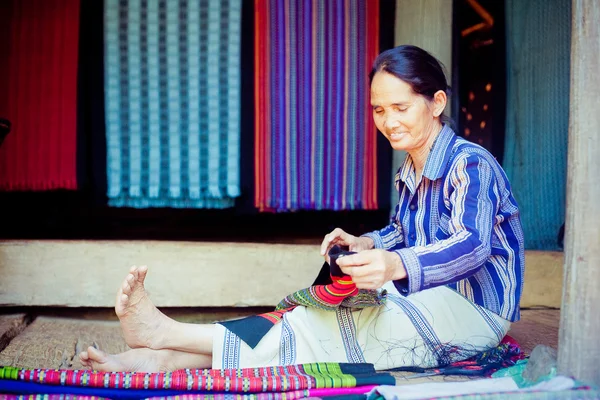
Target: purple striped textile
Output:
[{"x": 315, "y": 143}]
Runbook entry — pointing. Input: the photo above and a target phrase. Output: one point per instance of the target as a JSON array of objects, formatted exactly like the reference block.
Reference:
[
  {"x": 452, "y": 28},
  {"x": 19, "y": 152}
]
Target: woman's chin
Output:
[{"x": 398, "y": 145}]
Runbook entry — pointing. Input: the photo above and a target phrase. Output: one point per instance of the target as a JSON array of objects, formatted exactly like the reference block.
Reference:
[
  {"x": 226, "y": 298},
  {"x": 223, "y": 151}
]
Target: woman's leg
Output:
[
  {"x": 427, "y": 329},
  {"x": 144, "y": 325},
  {"x": 143, "y": 360}
]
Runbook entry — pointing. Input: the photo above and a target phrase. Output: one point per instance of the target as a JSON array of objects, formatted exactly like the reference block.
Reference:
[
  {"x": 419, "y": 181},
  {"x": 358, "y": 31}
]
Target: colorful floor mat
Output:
[{"x": 288, "y": 382}]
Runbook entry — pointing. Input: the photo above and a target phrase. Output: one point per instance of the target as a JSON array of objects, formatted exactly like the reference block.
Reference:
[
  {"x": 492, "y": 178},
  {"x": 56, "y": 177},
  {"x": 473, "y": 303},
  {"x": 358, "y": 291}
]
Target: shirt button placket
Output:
[{"x": 412, "y": 236}]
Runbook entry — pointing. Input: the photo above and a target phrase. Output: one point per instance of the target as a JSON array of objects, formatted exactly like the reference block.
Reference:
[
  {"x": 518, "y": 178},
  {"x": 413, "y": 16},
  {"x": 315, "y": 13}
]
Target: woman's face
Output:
[{"x": 405, "y": 118}]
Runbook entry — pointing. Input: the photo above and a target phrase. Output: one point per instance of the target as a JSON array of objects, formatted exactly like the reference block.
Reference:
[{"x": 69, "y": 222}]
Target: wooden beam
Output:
[
  {"x": 187, "y": 274},
  {"x": 579, "y": 347}
]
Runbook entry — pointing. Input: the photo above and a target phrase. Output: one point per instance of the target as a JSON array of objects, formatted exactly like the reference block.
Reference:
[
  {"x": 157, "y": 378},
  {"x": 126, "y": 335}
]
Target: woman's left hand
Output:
[{"x": 371, "y": 269}]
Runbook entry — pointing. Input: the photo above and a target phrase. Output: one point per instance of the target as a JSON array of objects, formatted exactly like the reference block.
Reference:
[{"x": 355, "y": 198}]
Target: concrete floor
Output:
[{"x": 52, "y": 339}]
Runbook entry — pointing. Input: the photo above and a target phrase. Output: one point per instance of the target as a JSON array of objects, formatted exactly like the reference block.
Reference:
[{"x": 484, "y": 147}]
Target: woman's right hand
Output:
[{"x": 341, "y": 238}]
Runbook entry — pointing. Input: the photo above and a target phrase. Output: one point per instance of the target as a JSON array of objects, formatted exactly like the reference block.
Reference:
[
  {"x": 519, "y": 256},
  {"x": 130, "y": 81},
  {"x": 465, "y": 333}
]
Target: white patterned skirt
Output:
[{"x": 426, "y": 329}]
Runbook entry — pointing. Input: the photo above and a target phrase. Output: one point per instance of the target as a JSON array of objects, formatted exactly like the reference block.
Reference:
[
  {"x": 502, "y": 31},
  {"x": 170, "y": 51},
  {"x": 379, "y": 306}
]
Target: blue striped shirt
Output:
[{"x": 459, "y": 227}]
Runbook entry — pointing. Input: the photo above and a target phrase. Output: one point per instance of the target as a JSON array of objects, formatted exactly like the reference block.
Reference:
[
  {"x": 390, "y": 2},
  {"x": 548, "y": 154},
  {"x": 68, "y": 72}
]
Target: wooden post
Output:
[
  {"x": 427, "y": 24},
  {"x": 579, "y": 343}
]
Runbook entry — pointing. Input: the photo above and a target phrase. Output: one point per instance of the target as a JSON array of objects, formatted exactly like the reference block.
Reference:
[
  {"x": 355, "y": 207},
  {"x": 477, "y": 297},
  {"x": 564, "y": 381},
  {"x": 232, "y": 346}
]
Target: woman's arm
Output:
[
  {"x": 472, "y": 191},
  {"x": 390, "y": 237}
]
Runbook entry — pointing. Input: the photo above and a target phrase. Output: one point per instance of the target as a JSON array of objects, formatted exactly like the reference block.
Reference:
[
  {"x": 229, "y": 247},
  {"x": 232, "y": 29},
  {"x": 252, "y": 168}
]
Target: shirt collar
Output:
[{"x": 436, "y": 160}]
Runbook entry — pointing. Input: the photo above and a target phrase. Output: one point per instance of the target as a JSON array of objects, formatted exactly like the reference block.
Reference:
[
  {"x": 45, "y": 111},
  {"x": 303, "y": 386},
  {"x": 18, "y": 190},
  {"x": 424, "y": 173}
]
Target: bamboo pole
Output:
[{"x": 579, "y": 344}]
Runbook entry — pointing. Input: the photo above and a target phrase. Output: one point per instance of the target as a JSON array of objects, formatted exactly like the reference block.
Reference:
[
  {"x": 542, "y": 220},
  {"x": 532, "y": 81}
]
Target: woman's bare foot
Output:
[
  {"x": 142, "y": 360},
  {"x": 143, "y": 325},
  {"x": 135, "y": 360}
]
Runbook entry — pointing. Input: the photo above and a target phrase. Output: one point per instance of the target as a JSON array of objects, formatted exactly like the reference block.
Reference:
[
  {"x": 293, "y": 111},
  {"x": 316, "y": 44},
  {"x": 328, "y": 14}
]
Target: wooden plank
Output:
[
  {"x": 10, "y": 326},
  {"x": 579, "y": 348},
  {"x": 55, "y": 342},
  {"x": 543, "y": 279},
  {"x": 184, "y": 274}
]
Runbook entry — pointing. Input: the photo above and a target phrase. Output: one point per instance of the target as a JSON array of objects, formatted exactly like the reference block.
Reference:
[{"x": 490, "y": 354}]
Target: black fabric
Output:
[
  {"x": 334, "y": 253},
  {"x": 250, "y": 329},
  {"x": 327, "y": 271},
  {"x": 363, "y": 372},
  {"x": 324, "y": 277}
]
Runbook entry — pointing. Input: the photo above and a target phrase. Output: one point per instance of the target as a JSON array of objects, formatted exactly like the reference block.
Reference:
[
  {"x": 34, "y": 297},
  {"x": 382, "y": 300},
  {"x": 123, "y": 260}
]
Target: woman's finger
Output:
[
  {"x": 325, "y": 244},
  {"x": 334, "y": 237},
  {"x": 354, "y": 260}
]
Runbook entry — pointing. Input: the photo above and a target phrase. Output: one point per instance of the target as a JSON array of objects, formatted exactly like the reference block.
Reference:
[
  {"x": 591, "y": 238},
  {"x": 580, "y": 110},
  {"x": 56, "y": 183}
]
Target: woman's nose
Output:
[{"x": 392, "y": 122}]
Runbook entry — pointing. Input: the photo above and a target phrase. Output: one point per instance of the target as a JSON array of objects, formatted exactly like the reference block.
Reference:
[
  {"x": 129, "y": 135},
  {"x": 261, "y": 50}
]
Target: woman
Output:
[{"x": 451, "y": 260}]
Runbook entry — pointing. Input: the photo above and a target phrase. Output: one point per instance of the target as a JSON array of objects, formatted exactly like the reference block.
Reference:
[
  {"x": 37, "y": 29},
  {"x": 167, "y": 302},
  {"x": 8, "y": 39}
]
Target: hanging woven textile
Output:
[
  {"x": 172, "y": 85},
  {"x": 38, "y": 75},
  {"x": 538, "y": 36},
  {"x": 315, "y": 143}
]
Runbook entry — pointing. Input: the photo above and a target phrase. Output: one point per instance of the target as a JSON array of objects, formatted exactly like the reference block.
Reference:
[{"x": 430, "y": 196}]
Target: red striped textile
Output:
[
  {"x": 327, "y": 297},
  {"x": 275, "y": 316},
  {"x": 322, "y": 296},
  {"x": 39, "y": 74},
  {"x": 315, "y": 140},
  {"x": 242, "y": 380},
  {"x": 370, "y": 155}
]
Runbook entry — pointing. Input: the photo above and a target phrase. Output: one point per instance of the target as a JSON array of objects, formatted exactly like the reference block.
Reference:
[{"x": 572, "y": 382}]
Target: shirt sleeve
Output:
[
  {"x": 390, "y": 237},
  {"x": 472, "y": 193}
]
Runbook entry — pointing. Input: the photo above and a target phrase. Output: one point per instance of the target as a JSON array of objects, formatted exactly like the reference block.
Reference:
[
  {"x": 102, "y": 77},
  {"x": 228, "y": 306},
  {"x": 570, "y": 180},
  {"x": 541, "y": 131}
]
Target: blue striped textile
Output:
[
  {"x": 538, "y": 37},
  {"x": 172, "y": 89}
]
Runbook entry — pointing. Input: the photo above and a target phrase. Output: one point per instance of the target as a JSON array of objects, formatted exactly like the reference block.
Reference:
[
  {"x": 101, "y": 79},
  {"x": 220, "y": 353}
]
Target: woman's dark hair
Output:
[{"x": 415, "y": 66}]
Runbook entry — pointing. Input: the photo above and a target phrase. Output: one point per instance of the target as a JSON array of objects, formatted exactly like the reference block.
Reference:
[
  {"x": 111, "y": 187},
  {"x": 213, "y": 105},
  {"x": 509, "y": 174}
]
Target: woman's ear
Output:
[{"x": 439, "y": 102}]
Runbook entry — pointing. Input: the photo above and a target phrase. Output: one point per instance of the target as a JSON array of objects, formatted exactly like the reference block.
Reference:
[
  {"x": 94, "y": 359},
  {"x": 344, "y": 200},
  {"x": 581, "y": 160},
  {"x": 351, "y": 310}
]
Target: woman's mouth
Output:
[{"x": 396, "y": 136}]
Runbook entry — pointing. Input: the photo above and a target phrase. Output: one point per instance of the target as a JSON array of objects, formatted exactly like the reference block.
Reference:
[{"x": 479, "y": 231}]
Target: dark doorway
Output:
[{"x": 479, "y": 59}]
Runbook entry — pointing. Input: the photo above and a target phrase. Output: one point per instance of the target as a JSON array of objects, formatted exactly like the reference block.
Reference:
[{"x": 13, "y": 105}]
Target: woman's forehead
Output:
[{"x": 387, "y": 88}]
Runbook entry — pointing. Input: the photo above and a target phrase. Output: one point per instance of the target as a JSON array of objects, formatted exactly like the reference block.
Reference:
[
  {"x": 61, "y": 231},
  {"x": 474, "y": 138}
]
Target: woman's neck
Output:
[{"x": 419, "y": 155}]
